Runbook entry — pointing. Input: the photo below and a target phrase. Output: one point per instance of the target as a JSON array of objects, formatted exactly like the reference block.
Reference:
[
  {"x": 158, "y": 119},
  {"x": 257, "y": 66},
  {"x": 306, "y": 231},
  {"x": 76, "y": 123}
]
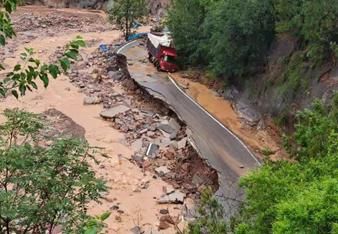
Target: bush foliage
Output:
[
  {"x": 301, "y": 196},
  {"x": 43, "y": 187}
]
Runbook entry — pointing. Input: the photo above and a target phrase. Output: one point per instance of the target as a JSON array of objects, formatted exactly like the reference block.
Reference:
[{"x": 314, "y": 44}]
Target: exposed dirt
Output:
[{"x": 263, "y": 139}]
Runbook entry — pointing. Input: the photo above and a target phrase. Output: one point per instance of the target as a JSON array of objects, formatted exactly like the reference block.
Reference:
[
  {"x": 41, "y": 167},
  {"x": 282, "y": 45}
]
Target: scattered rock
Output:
[
  {"x": 164, "y": 211},
  {"x": 247, "y": 113},
  {"x": 116, "y": 75},
  {"x": 167, "y": 218},
  {"x": 176, "y": 197},
  {"x": 92, "y": 100},
  {"x": 182, "y": 143},
  {"x": 152, "y": 150},
  {"x": 163, "y": 225},
  {"x": 114, "y": 207},
  {"x": 162, "y": 170},
  {"x": 166, "y": 128},
  {"x": 114, "y": 111},
  {"x": 136, "y": 230},
  {"x": 118, "y": 218}
]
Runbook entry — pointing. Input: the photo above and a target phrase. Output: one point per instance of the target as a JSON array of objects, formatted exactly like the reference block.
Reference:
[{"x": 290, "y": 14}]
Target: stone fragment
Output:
[
  {"x": 136, "y": 230},
  {"x": 182, "y": 143},
  {"x": 164, "y": 211},
  {"x": 176, "y": 197},
  {"x": 152, "y": 150},
  {"x": 162, "y": 170},
  {"x": 114, "y": 111},
  {"x": 92, "y": 100}
]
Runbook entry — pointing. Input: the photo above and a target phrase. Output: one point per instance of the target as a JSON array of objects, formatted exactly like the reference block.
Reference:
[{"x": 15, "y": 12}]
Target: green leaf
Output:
[
  {"x": 54, "y": 70},
  {"x": 15, "y": 94},
  {"x": 33, "y": 84},
  {"x": 22, "y": 89},
  {"x": 105, "y": 216},
  {"x": 2, "y": 91},
  {"x": 2, "y": 40},
  {"x": 91, "y": 230},
  {"x": 65, "y": 64},
  {"x": 44, "y": 79},
  {"x": 71, "y": 54},
  {"x": 17, "y": 67}
]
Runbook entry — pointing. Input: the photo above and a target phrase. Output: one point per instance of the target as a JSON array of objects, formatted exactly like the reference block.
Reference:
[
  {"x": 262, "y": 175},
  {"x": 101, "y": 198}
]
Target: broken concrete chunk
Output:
[
  {"x": 152, "y": 150},
  {"x": 112, "y": 112},
  {"x": 174, "y": 124},
  {"x": 116, "y": 75},
  {"x": 162, "y": 170},
  {"x": 92, "y": 100},
  {"x": 166, "y": 128},
  {"x": 182, "y": 143},
  {"x": 176, "y": 197}
]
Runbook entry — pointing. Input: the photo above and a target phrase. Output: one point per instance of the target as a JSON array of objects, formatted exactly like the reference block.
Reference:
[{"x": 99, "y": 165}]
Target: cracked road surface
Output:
[{"x": 221, "y": 148}]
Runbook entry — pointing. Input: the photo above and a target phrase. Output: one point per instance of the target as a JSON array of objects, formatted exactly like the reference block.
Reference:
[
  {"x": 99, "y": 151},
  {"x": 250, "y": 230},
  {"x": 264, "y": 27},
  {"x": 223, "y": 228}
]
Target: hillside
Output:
[{"x": 268, "y": 56}]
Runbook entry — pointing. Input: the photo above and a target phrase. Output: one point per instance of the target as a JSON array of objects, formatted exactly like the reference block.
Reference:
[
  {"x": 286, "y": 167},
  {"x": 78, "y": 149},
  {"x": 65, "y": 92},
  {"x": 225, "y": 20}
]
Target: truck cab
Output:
[{"x": 161, "y": 52}]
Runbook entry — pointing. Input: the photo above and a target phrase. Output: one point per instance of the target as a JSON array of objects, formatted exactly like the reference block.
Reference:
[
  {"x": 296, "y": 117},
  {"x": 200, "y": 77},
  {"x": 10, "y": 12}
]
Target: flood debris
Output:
[
  {"x": 155, "y": 133},
  {"x": 92, "y": 100},
  {"x": 175, "y": 197},
  {"x": 114, "y": 111},
  {"x": 152, "y": 150}
]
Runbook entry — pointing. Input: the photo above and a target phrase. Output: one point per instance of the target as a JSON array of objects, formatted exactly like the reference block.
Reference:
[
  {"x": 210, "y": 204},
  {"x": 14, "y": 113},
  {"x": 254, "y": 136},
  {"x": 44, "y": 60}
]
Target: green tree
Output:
[
  {"x": 24, "y": 75},
  {"x": 42, "y": 188},
  {"x": 302, "y": 196},
  {"x": 185, "y": 20},
  {"x": 313, "y": 129},
  {"x": 240, "y": 33},
  {"x": 314, "y": 23},
  {"x": 125, "y": 12}
]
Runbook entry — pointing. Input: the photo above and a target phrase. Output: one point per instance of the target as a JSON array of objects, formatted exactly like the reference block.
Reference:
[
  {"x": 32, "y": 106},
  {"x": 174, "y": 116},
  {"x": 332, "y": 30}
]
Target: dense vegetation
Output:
[
  {"x": 41, "y": 187},
  {"x": 231, "y": 38},
  {"x": 299, "y": 196}
]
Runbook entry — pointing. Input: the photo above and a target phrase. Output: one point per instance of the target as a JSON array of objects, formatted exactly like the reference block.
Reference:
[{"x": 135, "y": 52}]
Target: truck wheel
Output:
[{"x": 158, "y": 66}]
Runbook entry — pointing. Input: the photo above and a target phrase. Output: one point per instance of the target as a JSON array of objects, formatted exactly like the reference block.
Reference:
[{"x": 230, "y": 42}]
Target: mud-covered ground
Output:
[{"x": 149, "y": 191}]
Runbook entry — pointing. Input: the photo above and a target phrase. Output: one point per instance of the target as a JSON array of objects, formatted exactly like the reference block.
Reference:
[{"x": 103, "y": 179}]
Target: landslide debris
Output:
[{"x": 158, "y": 137}]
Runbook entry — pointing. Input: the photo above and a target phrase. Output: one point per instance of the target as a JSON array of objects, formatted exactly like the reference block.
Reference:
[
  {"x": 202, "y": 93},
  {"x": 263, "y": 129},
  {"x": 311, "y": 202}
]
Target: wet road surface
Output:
[{"x": 220, "y": 147}]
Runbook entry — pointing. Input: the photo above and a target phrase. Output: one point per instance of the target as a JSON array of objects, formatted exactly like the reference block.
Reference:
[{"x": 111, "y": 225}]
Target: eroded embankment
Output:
[
  {"x": 150, "y": 126},
  {"x": 135, "y": 196}
]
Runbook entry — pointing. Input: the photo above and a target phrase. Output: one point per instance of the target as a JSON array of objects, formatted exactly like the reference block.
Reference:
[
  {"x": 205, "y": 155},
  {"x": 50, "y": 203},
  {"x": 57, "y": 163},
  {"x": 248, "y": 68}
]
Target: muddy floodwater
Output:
[
  {"x": 135, "y": 209},
  {"x": 135, "y": 183}
]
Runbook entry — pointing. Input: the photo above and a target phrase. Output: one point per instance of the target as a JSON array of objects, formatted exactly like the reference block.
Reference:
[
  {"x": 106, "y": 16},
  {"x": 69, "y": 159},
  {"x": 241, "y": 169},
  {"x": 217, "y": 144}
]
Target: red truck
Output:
[{"x": 161, "y": 52}]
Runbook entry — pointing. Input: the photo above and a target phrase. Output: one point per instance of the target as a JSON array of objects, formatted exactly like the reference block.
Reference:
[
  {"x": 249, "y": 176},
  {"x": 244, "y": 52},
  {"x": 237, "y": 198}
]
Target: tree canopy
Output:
[
  {"x": 232, "y": 37},
  {"x": 125, "y": 12},
  {"x": 43, "y": 187},
  {"x": 300, "y": 196}
]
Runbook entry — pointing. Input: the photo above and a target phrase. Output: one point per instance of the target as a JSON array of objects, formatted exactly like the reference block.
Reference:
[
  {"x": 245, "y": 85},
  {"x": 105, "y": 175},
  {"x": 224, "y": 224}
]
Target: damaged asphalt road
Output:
[{"x": 222, "y": 149}]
